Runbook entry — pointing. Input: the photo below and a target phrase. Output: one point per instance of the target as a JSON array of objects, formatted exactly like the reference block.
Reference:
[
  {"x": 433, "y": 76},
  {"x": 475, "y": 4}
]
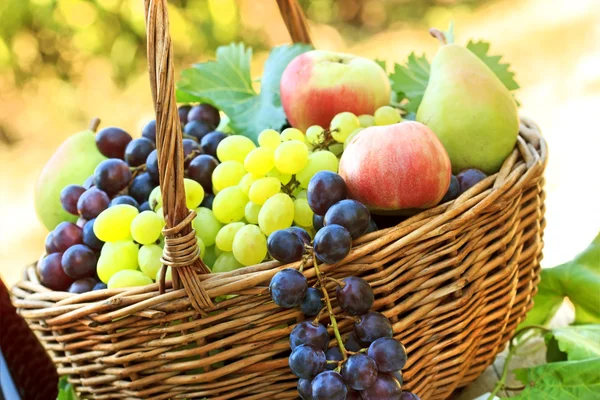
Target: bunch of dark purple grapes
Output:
[{"x": 462, "y": 182}]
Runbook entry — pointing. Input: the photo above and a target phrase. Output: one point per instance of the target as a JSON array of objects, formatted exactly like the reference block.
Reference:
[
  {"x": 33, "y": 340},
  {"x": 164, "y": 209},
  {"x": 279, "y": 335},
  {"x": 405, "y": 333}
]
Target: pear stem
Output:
[
  {"x": 439, "y": 35},
  {"x": 94, "y": 124}
]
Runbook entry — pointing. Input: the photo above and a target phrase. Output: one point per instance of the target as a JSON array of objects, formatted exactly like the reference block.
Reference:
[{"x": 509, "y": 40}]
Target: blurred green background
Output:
[{"x": 63, "y": 62}]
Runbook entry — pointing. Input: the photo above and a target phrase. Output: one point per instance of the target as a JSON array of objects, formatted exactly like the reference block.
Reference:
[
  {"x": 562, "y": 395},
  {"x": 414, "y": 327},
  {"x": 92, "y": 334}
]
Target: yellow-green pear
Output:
[
  {"x": 72, "y": 163},
  {"x": 470, "y": 110}
]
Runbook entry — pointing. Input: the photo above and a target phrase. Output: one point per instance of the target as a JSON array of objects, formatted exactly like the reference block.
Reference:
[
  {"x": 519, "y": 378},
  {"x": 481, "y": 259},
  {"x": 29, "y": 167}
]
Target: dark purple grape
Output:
[
  {"x": 372, "y": 326},
  {"x": 397, "y": 375},
  {"x": 204, "y": 112},
  {"x": 389, "y": 354},
  {"x": 145, "y": 206},
  {"x": 359, "y": 371},
  {"x": 312, "y": 302},
  {"x": 141, "y": 187},
  {"x": 191, "y": 149},
  {"x": 99, "y": 286},
  {"x": 469, "y": 178},
  {"x": 207, "y": 202},
  {"x": 372, "y": 227},
  {"x": 112, "y": 176},
  {"x": 288, "y": 288},
  {"x": 66, "y": 234},
  {"x": 112, "y": 142},
  {"x": 201, "y": 169},
  {"x": 332, "y": 243},
  {"x": 124, "y": 199},
  {"x": 285, "y": 246},
  {"x": 89, "y": 182},
  {"x": 333, "y": 354},
  {"x": 324, "y": 190},
  {"x": 350, "y": 214},
  {"x": 149, "y": 131},
  {"x": 356, "y": 296},
  {"x": 79, "y": 261},
  {"x": 304, "y": 389},
  {"x": 52, "y": 274},
  {"x": 198, "y": 129},
  {"x": 300, "y": 232},
  {"x": 352, "y": 343},
  {"x": 92, "y": 203},
  {"x": 81, "y": 222},
  {"x": 353, "y": 395},
  {"x": 453, "y": 190},
  {"x": 83, "y": 285},
  {"x": 317, "y": 221},
  {"x": 183, "y": 113},
  {"x": 50, "y": 248},
  {"x": 69, "y": 196},
  {"x": 329, "y": 385},
  {"x": 210, "y": 142},
  {"x": 137, "y": 151},
  {"x": 89, "y": 237},
  {"x": 308, "y": 333},
  {"x": 385, "y": 387},
  {"x": 152, "y": 166},
  {"x": 409, "y": 396},
  {"x": 306, "y": 361}
]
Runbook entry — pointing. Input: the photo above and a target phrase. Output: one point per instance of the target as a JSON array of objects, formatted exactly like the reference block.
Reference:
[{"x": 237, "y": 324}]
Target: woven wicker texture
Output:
[{"x": 454, "y": 280}]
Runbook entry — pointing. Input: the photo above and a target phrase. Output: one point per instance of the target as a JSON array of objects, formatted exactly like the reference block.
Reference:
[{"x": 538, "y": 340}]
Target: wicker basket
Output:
[{"x": 454, "y": 280}]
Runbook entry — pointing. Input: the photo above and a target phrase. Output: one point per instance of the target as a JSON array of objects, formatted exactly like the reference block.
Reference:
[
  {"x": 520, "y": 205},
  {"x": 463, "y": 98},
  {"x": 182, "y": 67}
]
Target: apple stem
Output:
[
  {"x": 94, "y": 124},
  {"x": 439, "y": 35}
]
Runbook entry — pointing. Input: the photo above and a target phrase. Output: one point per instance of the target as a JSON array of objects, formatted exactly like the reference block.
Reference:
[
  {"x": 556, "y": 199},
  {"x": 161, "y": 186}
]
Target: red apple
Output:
[
  {"x": 317, "y": 85},
  {"x": 395, "y": 167}
]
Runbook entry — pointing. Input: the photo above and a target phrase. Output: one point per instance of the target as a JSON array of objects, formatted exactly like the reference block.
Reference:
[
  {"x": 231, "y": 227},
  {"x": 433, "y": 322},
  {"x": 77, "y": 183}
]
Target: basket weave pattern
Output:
[{"x": 454, "y": 280}]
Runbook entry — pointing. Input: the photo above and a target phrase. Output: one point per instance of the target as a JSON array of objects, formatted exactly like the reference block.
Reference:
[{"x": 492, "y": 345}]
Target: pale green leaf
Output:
[
  {"x": 410, "y": 81},
  {"x": 507, "y": 77}
]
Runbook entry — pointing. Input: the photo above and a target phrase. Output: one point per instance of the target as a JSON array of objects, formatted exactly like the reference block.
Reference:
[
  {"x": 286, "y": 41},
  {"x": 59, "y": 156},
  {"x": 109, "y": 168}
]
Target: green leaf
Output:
[
  {"x": 410, "y": 81},
  {"x": 227, "y": 84},
  {"x": 580, "y": 342},
  {"x": 65, "y": 390},
  {"x": 381, "y": 63},
  {"x": 579, "y": 280},
  {"x": 577, "y": 380},
  {"x": 480, "y": 49},
  {"x": 450, "y": 33}
]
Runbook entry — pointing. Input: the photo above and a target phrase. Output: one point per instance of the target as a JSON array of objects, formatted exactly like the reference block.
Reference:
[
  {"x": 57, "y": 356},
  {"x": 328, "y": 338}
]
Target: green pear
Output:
[
  {"x": 470, "y": 110},
  {"x": 72, "y": 163}
]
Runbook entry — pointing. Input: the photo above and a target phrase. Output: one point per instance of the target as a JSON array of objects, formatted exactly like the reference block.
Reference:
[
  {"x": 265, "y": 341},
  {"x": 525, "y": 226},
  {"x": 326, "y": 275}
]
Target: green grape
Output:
[
  {"x": 234, "y": 148},
  {"x": 116, "y": 256},
  {"x": 149, "y": 259},
  {"x": 342, "y": 125},
  {"x": 168, "y": 275},
  {"x": 113, "y": 223},
  {"x": 218, "y": 251},
  {"x": 210, "y": 256},
  {"x": 260, "y": 161},
  {"x": 352, "y": 135},
  {"x": 155, "y": 198},
  {"x": 206, "y": 225},
  {"x": 251, "y": 212},
  {"x": 292, "y": 134},
  {"x": 337, "y": 149},
  {"x": 300, "y": 193},
  {"x": 227, "y": 174},
  {"x": 366, "y": 120},
  {"x": 318, "y": 161},
  {"x": 146, "y": 227},
  {"x": 291, "y": 156},
  {"x": 159, "y": 212},
  {"x": 264, "y": 188},
  {"x": 387, "y": 115},
  {"x": 277, "y": 213},
  {"x": 269, "y": 138},
  {"x": 224, "y": 239},
  {"x": 194, "y": 193},
  {"x": 229, "y": 204},
  {"x": 128, "y": 278},
  {"x": 245, "y": 183},
  {"x": 283, "y": 178},
  {"x": 201, "y": 246},
  {"x": 303, "y": 215},
  {"x": 315, "y": 135},
  {"x": 226, "y": 262},
  {"x": 250, "y": 245}
]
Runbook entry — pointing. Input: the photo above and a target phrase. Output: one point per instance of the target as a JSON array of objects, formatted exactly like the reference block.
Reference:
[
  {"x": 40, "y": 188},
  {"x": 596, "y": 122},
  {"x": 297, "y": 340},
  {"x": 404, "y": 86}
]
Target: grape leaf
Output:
[
  {"x": 507, "y": 77},
  {"x": 561, "y": 380},
  {"x": 575, "y": 343},
  {"x": 409, "y": 82},
  {"x": 226, "y": 83},
  {"x": 381, "y": 63},
  {"x": 65, "y": 390}
]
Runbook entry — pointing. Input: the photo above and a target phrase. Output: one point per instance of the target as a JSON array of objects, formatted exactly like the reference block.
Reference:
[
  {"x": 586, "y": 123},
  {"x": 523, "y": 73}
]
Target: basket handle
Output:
[{"x": 295, "y": 21}]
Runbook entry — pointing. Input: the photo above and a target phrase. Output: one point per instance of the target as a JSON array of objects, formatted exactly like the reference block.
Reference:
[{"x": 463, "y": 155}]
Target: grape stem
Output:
[
  {"x": 327, "y": 141},
  {"x": 336, "y": 330},
  {"x": 289, "y": 187},
  {"x": 340, "y": 283}
]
